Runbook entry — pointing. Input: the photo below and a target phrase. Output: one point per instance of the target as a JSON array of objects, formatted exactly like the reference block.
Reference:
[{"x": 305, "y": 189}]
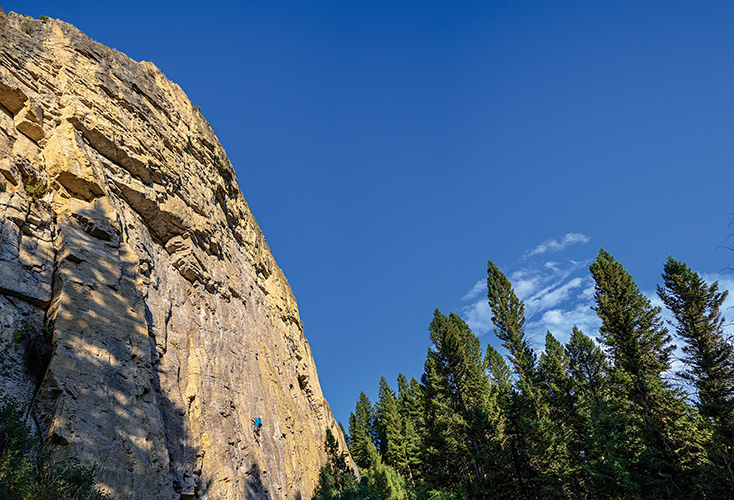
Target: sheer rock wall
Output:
[{"x": 125, "y": 238}]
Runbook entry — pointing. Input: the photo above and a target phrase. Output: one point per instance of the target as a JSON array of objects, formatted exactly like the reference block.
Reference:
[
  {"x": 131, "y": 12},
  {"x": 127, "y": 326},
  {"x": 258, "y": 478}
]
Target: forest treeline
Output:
[{"x": 592, "y": 420}]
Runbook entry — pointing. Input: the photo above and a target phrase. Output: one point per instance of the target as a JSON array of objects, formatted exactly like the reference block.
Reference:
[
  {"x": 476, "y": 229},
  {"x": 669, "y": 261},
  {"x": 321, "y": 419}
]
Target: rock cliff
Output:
[{"x": 143, "y": 320}]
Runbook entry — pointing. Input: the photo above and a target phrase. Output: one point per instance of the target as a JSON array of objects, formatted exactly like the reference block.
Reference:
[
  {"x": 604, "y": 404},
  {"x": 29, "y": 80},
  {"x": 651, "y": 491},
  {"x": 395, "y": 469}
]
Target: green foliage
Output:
[
  {"x": 463, "y": 425},
  {"x": 662, "y": 442},
  {"x": 336, "y": 479},
  {"x": 27, "y": 25},
  {"x": 508, "y": 314},
  {"x": 410, "y": 407},
  {"x": 45, "y": 19},
  {"x": 709, "y": 358},
  {"x": 26, "y": 469},
  {"x": 390, "y": 425},
  {"x": 36, "y": 188},
  {"x": 23, "y": 332},
  {"x": 631, "y": 327},
  {"x": 360, "y": 430}
]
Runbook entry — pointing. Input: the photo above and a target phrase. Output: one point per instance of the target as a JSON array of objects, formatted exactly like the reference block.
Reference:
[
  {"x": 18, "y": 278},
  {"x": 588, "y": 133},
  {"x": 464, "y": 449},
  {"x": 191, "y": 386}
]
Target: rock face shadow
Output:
[
  {"x": 101, "y": 399},
  {"x": 254, "y": 485}
]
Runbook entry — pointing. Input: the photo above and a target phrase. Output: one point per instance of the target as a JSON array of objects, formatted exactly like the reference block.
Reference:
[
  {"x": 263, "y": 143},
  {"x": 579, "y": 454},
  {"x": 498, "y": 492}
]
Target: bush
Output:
[
  {"x": 36, "y": 189},
  {"x": 26, "y": 25},
  {"x": 26, "y": 470},
  {"x": 20, "y": 334}
]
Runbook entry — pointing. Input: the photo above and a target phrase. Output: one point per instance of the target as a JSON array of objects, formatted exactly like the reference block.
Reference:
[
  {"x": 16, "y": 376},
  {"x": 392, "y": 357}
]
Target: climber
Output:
[{"x": 257, "y": 423}]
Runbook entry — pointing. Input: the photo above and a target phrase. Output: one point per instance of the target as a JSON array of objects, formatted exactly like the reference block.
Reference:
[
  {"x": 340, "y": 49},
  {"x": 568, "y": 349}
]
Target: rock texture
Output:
[{"x": 143, "y": 320}]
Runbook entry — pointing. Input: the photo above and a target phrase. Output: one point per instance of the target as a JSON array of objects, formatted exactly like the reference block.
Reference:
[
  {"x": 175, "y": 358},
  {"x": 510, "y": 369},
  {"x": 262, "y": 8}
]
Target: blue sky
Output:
[{"x": 390, "y": 148}]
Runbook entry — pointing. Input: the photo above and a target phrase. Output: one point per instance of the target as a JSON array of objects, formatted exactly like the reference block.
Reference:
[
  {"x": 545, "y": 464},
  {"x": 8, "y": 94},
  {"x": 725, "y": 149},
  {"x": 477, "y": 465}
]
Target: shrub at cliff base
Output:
[{"x": 26, "y": 471}]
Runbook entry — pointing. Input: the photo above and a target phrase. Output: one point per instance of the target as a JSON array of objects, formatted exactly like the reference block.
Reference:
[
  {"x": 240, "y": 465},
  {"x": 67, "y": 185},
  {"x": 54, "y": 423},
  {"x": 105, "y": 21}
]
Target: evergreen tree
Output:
[
  {"x": 565, "y": 431},
  {"x": 539, "y": 459},
  {"x": 588, "y": 368},
  {"x": 663, "y": 438},
  {"x": 601, "y": 449},
  {"x": 499, "y": 374},
  {"x": 382, "y": 481},
  {"x": 554, "y": 365},
  {"x": 508, "y": 315},
  {"x": 709, "y": 358},
  {"x": 462, "y": 441},
  {"x": 411, "y": 410},
  {"x": 361, "y": 430},
  {"x": 336, "y": 479},
  {"x": 390, "y": 423}
]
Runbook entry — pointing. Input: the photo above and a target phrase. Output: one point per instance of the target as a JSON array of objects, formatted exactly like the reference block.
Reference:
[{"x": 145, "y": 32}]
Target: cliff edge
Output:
[{"x": 143, "y": 319}]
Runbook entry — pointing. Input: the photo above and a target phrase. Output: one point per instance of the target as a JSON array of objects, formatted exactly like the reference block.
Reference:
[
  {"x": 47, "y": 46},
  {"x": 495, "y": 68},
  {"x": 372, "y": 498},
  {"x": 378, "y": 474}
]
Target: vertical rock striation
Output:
[{"x": 143, "y": 320}]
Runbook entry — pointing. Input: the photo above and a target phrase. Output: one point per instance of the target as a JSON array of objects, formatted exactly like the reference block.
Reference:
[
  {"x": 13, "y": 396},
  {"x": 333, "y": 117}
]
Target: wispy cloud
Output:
[
  {"x": 479, "y": 287},
  {"x": 552, "y": 295},
  {"x": 555, "y": 293},
  {"x": 560, "y": 321},
  {"x": 478, "y": 316},
  {"x": 553, "y": 245}
]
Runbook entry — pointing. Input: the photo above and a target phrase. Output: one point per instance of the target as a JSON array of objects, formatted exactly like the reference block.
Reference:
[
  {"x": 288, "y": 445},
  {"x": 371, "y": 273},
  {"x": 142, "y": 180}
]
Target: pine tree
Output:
[
  {"x": 361, "y": 430},
  {"x": 663, "y": 438},
  {"x": 499, "y": 374},
  {"x": 565, "y": 431},
  {"x": 540, "y": 462},
  {"x": 462, "y": 441},
  {"x": 588, "y": 367},
  {"x": 709, "y": 358},
  {"x": 601, "y": 450},
  {"x": 382, "y": 481},
  {"x": 390, "y": 425},
  {"x": 411, "y": 411},
  {"x": 508, "y": 315}
]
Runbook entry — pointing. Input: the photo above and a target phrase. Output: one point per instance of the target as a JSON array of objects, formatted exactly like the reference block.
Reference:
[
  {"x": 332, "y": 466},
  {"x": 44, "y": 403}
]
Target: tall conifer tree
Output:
[
  {"x": 390, "y": 423},
  {"x": 539, "y": 461},
  {"x": 410, "y": 408},
  {"x": 663, "y": 438},
  {"x": 709, "y": 358},
  {"x": 462, "y": 441},
  {"x": 360, "y": 430}
]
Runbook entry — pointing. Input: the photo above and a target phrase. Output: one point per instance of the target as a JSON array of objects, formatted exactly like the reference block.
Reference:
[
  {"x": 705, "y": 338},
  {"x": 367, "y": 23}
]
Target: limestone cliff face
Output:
[{"x": 168, "y": 325}]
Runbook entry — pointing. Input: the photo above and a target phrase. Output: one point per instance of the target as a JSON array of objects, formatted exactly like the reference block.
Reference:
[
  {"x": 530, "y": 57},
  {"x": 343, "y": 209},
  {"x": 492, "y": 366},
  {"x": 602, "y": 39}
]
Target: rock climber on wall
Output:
[{"x": 257, "y": 423}]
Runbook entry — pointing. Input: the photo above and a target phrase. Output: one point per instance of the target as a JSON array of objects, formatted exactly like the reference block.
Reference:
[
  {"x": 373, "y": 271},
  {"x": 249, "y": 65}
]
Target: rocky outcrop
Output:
[{"x": 143, "y": 320}]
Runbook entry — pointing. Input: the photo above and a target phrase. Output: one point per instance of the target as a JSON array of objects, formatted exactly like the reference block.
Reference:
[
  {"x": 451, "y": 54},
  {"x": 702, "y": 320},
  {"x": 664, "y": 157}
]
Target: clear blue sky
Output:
[{"x": 389, "y": 148}]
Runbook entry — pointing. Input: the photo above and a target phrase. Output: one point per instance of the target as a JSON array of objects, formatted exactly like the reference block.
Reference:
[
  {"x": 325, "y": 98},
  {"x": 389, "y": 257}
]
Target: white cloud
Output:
[
  {"x": 560, "y": 322},
  {"x": 550, "y": 291},
  {"x": 551, "y": 296},
  {"x": 552, "y": 317},
  {"x": 557, "y": 294},
  {"x": 553, "y": 245},
  {"x": 479, "y": 317},
  {"x": 476, "y": 290}
]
